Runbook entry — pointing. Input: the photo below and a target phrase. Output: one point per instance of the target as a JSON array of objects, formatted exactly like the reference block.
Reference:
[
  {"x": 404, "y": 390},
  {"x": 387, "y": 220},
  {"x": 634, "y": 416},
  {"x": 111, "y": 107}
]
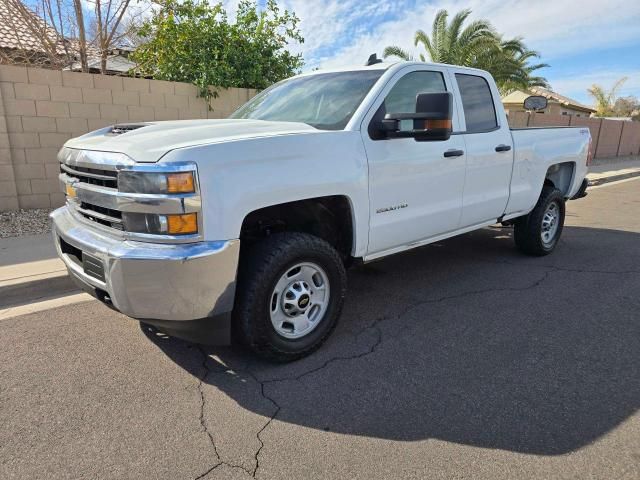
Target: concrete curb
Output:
[
  {"x": 613, "y": 178},
  {"x": 30, "y": 270},
  {"x": 38, "y": 287},
  {"x": 43, "y": 304}
]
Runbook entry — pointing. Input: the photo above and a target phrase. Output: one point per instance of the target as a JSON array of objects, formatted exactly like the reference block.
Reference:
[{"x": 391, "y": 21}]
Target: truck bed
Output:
[{"x": 535, "y": 150}]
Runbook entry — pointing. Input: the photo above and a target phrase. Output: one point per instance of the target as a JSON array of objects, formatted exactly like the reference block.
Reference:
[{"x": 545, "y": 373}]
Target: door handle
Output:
[
  {"x": 453, "y": 153},
  {"x": 503, "y": 148}
]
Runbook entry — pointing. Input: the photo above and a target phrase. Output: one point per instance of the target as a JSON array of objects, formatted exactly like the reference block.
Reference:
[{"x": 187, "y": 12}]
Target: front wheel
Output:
[
  {"x": 538, "y": 232},
  {"x": 289, "y": 295}
]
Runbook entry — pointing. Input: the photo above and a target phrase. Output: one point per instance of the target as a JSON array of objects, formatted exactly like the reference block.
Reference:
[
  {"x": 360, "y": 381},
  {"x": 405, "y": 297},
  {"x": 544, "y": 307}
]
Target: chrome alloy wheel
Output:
[
  {"x": 299, "y": 300},
  {"x": 550, "y": 222}
]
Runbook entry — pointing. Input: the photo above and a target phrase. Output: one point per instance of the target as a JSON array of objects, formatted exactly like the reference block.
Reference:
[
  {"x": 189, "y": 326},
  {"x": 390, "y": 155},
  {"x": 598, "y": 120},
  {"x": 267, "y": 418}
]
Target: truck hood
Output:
[{"x": 148, "y": 142}]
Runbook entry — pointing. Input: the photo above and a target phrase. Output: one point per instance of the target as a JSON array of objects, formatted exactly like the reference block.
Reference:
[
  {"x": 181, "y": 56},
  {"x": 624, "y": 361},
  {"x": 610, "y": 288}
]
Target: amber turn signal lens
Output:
[
  {"x": 182, "y": 224},
  {"x": 180, "y": 183},
  {"x": 437, "y": 124}
]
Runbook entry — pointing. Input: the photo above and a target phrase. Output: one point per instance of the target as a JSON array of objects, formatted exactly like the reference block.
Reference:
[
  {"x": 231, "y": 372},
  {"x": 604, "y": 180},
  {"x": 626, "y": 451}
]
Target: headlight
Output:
[
  {"x": 182, "y": 224},
  {"x": 142, "y": 182}
]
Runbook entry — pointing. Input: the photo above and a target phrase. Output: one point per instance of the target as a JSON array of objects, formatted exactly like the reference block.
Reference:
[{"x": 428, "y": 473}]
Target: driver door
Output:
[{"x": 415, "y": 187}]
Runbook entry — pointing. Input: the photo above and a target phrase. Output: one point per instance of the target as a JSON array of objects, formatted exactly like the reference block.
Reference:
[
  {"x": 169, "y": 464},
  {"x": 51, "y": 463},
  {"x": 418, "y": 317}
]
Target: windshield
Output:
[{"x": 326, "y": 101}]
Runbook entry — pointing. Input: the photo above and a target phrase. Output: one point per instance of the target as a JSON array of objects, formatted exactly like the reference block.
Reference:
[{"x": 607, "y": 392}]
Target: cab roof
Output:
[{"x": 386, "y": 66}]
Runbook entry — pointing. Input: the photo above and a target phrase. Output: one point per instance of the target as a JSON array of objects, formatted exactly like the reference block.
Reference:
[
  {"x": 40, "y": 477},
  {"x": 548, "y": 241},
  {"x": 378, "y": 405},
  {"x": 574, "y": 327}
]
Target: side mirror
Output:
[
  {"x": 431, "y": 121},
  {"x": 535, "y": 103}
]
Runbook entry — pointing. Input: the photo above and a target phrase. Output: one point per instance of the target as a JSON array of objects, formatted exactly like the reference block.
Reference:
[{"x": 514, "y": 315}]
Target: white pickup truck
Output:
[{"x": 244, "y": 226}]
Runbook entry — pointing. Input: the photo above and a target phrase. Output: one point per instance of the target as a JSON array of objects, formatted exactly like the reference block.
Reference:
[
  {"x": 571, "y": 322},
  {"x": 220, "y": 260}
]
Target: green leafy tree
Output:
[
  {"x": 627, "y": 107},
  {"x": 193, "y": 41},
  {"x": 605, "y": 99},
  {"x": 476, "y": 45}
]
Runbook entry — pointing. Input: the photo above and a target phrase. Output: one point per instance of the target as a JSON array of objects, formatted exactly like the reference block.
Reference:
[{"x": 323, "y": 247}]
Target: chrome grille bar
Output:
[
  {"x": 101, "y": 216},
  {"x": 90, "y": 179},
  {"x": 134, "y": 202},
  {"x": 89, "y": 174}
]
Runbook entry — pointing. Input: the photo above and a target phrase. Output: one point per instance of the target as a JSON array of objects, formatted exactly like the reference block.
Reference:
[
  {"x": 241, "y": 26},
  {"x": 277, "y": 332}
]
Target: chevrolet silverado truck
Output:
[{"x": 246, "y": 225}]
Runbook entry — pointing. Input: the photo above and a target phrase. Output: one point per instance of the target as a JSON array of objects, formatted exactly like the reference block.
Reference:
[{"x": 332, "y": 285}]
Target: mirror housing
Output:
[
  {"x": 431, "y": 121},
  {"x": 535, "y": 103}
]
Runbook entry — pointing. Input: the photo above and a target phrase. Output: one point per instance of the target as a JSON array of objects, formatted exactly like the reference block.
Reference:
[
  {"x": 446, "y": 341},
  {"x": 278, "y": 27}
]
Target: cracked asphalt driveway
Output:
[{"x": 463, "y": 359}]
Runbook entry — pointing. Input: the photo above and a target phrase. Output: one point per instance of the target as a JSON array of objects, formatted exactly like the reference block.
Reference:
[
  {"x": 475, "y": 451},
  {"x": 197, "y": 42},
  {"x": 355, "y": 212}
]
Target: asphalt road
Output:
[{"x": 462, "y": 359}]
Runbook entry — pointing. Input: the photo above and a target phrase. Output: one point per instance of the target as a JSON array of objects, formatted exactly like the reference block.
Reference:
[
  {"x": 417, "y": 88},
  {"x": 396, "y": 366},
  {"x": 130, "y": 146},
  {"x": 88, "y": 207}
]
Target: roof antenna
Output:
[{"x": 373, "y": 59}]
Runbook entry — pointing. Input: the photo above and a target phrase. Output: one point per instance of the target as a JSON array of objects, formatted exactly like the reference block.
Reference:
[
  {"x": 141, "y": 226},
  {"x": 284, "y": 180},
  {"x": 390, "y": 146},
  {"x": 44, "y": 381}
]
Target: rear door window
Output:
[{"x": 477, "y": 102}]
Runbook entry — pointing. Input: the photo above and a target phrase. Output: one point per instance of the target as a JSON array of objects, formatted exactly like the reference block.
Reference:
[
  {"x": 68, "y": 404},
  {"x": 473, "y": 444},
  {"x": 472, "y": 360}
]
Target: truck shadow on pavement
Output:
[{"x": 466, "y": 341}]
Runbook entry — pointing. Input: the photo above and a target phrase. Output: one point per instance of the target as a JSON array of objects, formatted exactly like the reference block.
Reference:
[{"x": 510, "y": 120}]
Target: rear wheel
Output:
[
  {"x": 538, "y": 232},
  {"x": 289, "y": 295}
]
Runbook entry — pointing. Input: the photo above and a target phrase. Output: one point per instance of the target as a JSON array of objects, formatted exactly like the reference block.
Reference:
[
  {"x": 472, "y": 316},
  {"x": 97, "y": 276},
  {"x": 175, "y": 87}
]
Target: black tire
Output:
[
  {"x": 260, "y": 269},
  {"x": 528, "y": 229}
]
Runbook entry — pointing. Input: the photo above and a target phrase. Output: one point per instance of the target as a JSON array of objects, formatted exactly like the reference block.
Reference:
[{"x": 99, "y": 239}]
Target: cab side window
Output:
[
  {"x": 477, "y": 102},
  {"x": 402, "y": 97}
]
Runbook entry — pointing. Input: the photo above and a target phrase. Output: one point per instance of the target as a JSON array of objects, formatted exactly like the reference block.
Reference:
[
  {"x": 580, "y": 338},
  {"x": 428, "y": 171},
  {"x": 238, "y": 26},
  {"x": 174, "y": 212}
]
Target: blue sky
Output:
[{"x": 584, "y": 41}]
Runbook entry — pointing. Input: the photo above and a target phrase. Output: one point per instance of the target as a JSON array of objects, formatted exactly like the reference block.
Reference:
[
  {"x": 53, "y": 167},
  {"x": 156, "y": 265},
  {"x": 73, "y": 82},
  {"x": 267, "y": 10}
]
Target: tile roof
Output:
[
  {"x": 559, "y": 98},
  {"x": 24, "y": 34},
  {"x": 518, "y": 96},
  {"x": 20, "y": 33}
]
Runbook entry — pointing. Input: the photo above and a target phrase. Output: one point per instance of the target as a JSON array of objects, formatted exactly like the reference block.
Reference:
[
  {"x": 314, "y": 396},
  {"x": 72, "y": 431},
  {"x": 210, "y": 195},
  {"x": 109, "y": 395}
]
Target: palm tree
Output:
[
  {"x": 508, "y": 62},
  {"x": 449, "y": 43},
  {"x": 605, "y": 100},
  {"x": 477, "y": 45},
  {"x": 393, "y": 51}
]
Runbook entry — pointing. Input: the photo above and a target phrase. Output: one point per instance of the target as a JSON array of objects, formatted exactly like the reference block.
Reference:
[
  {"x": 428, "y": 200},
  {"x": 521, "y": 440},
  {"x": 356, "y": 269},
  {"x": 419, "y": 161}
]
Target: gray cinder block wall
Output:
[{"x": 41, "y": 109}]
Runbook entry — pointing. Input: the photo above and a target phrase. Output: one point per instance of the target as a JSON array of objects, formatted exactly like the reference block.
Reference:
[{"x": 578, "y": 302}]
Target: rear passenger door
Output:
[{"x": 489, "y": 150}]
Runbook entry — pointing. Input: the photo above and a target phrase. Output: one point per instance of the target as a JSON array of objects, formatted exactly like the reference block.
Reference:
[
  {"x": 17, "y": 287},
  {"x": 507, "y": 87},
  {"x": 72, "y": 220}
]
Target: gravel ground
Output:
[{"x": 25, "y": 222}]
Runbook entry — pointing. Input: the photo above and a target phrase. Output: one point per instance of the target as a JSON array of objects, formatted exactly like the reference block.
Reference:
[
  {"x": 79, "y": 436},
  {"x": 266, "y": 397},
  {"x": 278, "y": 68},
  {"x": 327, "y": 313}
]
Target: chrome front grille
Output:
[
  {"x": 104, "y": 216},
  {"x": 90, "y": 180},
  {"x": 92, "y": 176}
]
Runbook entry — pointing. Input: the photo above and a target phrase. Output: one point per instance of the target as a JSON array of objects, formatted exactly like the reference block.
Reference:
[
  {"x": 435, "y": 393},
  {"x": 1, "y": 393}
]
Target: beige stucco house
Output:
[{"x": 557, "y": 104}]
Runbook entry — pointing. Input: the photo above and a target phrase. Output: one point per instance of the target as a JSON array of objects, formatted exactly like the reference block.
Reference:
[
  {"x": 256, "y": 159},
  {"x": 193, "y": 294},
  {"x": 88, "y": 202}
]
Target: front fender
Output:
[{"x": 239, "y": 177}]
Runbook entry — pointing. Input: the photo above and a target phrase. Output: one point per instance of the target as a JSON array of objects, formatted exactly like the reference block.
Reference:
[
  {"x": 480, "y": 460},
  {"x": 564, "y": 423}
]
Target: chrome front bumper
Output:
[{"x": 147, "y": 281}]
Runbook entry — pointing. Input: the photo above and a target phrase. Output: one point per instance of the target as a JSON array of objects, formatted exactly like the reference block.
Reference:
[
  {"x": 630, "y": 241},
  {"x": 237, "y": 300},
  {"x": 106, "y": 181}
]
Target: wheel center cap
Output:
[
  {"x": 296, "y": 299},
  {"x": 303, "y": 301}
]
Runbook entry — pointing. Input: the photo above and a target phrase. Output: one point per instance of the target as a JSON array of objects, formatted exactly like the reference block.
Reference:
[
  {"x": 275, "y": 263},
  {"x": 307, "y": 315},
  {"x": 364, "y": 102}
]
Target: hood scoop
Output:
[{"x": 124, "y": 128}]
